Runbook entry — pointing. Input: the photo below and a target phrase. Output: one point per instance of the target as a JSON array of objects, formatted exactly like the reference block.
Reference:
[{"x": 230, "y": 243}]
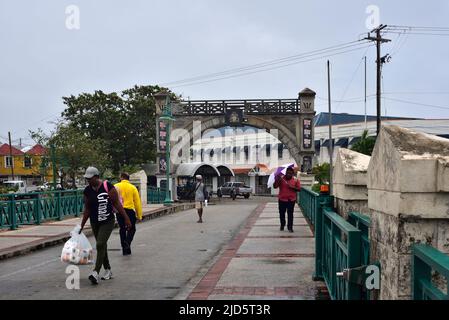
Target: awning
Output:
[
  {"x": 327, "y": 144},
  {"x": 193, "y": 168},
  {"x": 225, "y": 171},
  {"x": 342, "y": 142}
]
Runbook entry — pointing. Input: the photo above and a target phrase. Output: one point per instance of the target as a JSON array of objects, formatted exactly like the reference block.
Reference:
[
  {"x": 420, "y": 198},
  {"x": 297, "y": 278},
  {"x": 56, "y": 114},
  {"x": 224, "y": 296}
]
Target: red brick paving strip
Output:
[{"x": 206, "y": 286}]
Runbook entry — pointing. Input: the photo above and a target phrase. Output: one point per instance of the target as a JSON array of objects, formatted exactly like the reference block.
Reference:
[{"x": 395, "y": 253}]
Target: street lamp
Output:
[{"x": 168, "y": 118}]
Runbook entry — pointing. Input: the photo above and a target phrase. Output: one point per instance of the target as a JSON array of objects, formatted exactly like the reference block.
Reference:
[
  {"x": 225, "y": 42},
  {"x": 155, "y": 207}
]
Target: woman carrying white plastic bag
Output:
[{"x": 100, "y": 197}]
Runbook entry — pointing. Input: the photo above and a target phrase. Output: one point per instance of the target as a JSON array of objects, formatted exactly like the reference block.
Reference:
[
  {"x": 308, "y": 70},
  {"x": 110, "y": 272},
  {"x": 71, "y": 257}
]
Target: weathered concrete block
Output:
[
  {"x": 351, "y": 168},
  {"x": 343, "y": 207},
  {"x": 443, "y": 175},
  {"x": 409, "y": 202},
  {"x": 349, "y": 182},
  {"x": 349, "y": 192},
  {"x": 407, "y": 161},
  {"x": 443, "y": 236}
]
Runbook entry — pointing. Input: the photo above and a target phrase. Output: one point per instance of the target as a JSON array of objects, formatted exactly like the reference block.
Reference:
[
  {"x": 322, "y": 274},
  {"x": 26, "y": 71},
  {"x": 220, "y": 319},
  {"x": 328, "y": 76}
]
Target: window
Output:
[
  {"x": 8, "y": 162},
  {"x": 268, "y": 150},
  {"x": 246, "y": 151},
  {"x": 27, "y": 162},
  {"x": 280, "y": 150}
]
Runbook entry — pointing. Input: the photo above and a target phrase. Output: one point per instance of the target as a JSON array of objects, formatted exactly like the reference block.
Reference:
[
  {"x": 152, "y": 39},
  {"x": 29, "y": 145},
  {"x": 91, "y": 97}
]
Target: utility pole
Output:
[
  {"x": 379, "y": 40},
  {"x": 331, "y": 147},
  {"x": 53, "y": 164},
  {"x": 10, "y": 156},
  {"x": 366, "y": 125}
]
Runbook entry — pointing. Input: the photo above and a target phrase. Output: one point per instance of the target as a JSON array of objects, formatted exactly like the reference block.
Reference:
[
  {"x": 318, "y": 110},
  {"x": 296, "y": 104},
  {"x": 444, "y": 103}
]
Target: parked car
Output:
[
  {"x": 234, "y": 189},
  {"x": 20, "y": 186}
]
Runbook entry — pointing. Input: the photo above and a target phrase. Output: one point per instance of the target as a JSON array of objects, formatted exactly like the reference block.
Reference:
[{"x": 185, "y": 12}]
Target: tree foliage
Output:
[
  {"x": 322, "y": 173},
  {"x": 112, "y": 131},
  {"x": 365, "y": 145}
]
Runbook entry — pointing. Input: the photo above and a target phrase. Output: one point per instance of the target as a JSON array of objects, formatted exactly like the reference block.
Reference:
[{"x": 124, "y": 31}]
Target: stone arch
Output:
[{"x": 285, "y": 134}]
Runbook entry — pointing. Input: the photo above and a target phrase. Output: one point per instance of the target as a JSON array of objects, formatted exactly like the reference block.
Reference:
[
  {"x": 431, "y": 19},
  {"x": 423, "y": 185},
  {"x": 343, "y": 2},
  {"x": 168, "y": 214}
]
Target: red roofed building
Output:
[{"x": 26, "y": 163}]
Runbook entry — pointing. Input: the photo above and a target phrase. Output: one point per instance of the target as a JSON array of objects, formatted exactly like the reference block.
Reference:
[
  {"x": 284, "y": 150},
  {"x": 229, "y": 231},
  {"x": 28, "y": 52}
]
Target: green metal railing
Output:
[
  {"x": 363, "y": 223},
  {"x": 311, "y": 204},
  {"x": 341, "y": 250},
  {"x": 426, "y": 259},
  {"x": 34, "y": 208},
  {"x": 341, "y": 246},
  {"x": 156, "y": 195}
]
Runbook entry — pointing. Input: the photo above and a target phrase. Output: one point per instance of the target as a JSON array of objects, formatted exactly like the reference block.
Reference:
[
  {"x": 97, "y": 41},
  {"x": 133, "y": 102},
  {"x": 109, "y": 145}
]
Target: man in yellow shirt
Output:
[{"x": 129, "y": 195}]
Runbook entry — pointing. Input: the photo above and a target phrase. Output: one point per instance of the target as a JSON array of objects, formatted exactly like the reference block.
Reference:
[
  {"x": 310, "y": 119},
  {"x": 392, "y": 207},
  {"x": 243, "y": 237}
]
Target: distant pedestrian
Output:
[
  {"x": 99, "y": 199},
  {"x": 201, "y": 195},
  {"x": 133, "y": 207},
  {"x": 288, "y": 187}
]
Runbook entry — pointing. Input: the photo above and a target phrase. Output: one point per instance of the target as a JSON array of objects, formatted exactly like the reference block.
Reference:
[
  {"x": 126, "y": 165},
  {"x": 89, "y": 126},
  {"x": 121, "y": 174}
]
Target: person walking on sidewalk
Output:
[
  {"x": 133, "y": 207},
  {"x": 200, "y": 196},
  {"x": 288, "y": 187},
  {"x": 99, "y": 199}
]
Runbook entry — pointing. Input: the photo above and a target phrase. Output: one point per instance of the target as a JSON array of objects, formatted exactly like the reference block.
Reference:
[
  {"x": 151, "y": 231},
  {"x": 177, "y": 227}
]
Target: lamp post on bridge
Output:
[{"x": 163, "y": 102}]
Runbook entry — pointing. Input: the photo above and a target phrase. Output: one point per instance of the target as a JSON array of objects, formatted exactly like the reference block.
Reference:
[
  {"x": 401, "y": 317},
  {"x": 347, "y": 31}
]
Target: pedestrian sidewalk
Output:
[
  {"x": 34, "y": 237},
  {"x": 262, "y": 262}
]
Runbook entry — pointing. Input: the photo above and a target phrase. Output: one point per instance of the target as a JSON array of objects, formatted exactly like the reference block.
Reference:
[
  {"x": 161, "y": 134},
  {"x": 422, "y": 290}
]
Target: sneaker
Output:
[
  {"x": 94, "y": 278},
  {"x": 107, "y": 275},
  {"x": 290, "y": 230},
  {"x": 282, "y": 229}
]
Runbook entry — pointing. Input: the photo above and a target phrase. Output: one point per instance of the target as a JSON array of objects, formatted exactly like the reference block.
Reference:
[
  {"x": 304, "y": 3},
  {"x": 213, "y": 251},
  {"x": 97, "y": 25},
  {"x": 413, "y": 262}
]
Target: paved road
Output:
[{"x": 170, "y": 256}]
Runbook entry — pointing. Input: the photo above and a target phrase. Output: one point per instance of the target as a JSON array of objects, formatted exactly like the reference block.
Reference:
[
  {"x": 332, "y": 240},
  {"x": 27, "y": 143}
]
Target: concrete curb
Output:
[{"x": 23, "y": 249}]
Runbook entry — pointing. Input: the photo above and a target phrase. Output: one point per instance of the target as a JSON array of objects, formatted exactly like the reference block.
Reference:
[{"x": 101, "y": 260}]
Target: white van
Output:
[{"x": 20, "y": 186}]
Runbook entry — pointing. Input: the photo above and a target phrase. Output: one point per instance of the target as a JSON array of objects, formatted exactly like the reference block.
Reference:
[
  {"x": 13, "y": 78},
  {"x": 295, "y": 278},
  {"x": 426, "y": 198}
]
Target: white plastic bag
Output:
[{"x": 77, "y": 250}]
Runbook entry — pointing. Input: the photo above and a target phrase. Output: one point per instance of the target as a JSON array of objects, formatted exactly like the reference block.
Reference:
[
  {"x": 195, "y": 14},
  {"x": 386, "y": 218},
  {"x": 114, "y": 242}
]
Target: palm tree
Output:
[{"x": 365, "y": 145}]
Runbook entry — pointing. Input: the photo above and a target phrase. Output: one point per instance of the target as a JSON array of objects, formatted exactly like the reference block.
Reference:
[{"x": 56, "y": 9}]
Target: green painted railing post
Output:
[
  {"x": 77, "y": 203},
  {"x": 58, "y": 206},
  {"x": 37, "y": 209},
  {"x": 354, "y": 249},
  {"x": 12, "y": 213},
  {"x": 323, "y": 201}
]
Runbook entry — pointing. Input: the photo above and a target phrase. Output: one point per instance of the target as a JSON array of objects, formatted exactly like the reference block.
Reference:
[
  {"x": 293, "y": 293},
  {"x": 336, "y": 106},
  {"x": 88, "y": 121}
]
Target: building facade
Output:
[{"x": 31, "y": 164}]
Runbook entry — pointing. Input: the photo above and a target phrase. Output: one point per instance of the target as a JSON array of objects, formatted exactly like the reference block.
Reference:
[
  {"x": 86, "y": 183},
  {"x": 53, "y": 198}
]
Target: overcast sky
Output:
[{"x": 123, "y": 43}]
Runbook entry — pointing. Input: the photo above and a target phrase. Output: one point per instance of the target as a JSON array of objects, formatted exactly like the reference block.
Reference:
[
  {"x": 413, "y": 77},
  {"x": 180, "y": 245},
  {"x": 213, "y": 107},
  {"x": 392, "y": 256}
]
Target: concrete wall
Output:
[
  {"x": 349, "y": 182},
  {"x": 139, "y": 179},
  {"x": 408, "y": 200}
]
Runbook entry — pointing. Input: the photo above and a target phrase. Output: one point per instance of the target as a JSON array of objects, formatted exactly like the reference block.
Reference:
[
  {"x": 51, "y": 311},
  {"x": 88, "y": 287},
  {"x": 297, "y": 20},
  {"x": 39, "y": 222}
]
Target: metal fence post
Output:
[
  {"x": 12, "y": 213},
  {"x": 354, "y": 290},
  {"x": 37, "y": 209},
  {"x": 58, "y": 205},
  {"x": 322, "y": 202}
]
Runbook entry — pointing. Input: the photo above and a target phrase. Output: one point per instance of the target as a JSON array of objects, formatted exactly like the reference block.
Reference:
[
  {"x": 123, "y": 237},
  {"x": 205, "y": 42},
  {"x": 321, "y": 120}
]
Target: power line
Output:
[
  {"x": 417, "y": 103},
  {"x": 269, "y": 69},
  {"x": 392, "y": 26},
  {"x": 352, "y": 78},
  {"x": 270, "y": 62}
]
